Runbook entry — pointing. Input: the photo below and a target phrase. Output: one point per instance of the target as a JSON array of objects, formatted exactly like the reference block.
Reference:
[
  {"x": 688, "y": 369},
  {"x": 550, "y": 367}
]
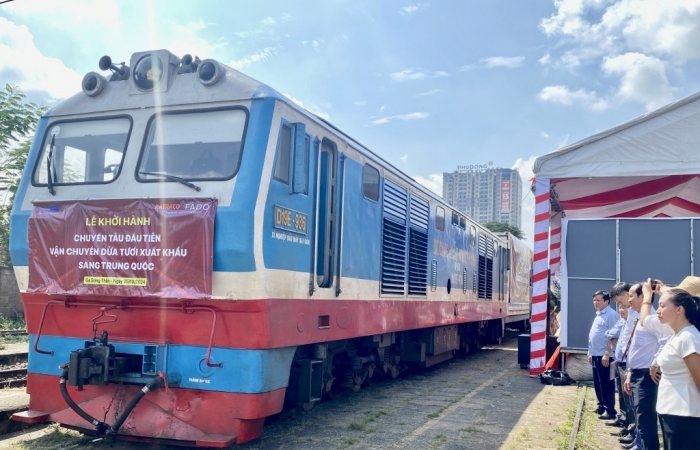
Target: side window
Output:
[
  {"x": 455, "y": 218},
  {"x": 370, "y": 183},
  {"x": 284, "y": 147},
  {"x": 440, "y": 218},
  {"x": 462, "y": 222},
  {"x": 472, "y": 235}
]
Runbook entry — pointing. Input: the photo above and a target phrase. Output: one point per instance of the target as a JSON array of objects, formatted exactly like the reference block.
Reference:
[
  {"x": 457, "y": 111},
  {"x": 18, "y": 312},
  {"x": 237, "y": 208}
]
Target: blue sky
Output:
[{"x": 427, "y": 85}]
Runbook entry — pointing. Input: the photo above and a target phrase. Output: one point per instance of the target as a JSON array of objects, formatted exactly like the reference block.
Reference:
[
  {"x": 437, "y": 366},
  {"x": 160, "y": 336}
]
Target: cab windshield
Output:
[
  {"x": 84, "y": 152},
  {"x": 200, "y": 145}
]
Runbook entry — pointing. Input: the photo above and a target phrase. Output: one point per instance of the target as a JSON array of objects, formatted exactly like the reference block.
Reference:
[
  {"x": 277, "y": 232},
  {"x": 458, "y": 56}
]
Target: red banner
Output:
[
  {"x": 505, "y": 196},
  {"x": 126, "y": 248}
]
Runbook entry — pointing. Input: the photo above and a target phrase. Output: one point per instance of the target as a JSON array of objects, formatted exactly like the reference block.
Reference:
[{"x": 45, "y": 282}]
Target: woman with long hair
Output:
[{"x": 678, "y": 401}]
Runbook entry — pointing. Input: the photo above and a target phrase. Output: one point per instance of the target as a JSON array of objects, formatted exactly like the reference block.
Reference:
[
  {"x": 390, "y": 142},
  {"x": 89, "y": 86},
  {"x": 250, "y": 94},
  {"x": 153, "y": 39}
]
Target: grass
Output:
[
  {"x": 17, "y": 323},
  {"x": 518, "y": 438},
  {"x": 585, "y": 438},
  {"x": 437, "y": 441},
  {"x": 361, "y": 424},
  {"x": 436, "y": 414},
  {"x": 54, "y": 439},
  {"x": 349, "y": 442},
  {"x": 467, "y": 430}
]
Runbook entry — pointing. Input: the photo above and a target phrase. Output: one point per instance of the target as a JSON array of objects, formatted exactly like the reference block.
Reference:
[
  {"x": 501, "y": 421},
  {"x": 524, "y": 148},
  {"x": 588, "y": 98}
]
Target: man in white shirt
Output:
[
  {"x": 644, "y": 345},
  {"x": 625, "y": 416}
]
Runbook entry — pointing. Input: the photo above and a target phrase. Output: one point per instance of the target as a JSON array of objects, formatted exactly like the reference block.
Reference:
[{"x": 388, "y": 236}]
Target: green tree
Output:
[
  {"x": 499, "y": 227},
  {"x": 18, "y": 120}
]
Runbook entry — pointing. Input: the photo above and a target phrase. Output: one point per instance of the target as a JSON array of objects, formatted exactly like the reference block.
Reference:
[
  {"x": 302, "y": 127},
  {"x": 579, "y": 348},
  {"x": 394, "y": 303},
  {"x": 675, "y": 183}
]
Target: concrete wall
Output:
[{"x": 10, "y": 304}]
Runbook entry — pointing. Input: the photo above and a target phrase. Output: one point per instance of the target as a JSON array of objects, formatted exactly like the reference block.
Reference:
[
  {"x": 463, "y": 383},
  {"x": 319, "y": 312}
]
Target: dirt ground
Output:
[{"x": 483, "y": 401}]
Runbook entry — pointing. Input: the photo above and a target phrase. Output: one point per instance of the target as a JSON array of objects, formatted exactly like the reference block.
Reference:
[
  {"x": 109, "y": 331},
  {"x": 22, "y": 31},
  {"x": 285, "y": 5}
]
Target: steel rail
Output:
[{"x": 577, "y": 420}]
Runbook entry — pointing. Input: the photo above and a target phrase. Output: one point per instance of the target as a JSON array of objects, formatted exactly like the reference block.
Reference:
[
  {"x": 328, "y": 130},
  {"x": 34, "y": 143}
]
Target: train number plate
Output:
[{"x": 290, "y": 220}]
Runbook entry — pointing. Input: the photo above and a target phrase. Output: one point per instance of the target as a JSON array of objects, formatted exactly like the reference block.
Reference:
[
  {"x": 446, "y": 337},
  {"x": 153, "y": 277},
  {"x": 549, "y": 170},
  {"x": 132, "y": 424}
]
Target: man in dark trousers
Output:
[
  {"x": 625, "y": 417},
  {"x": 605, "y": 319},
  {"x": 643, "y": 348}
]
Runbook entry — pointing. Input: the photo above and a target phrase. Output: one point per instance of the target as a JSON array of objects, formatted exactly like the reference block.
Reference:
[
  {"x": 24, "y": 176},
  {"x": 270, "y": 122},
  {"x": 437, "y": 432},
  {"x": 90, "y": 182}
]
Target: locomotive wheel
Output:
[
  {"x": 393, "y": 371},
  {"x": 334, "y": 392},
  {"x": 368, "y": 373}
]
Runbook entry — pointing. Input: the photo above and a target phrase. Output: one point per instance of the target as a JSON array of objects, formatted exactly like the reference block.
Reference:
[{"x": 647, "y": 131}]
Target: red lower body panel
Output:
[
  {"x": 257, "y": 324},
  {"x": 201, "y": 418}
]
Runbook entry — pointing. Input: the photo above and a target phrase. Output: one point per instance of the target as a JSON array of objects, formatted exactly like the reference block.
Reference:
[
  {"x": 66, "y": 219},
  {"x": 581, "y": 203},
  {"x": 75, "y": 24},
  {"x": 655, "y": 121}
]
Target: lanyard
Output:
[{"x": 634, "y": 327}]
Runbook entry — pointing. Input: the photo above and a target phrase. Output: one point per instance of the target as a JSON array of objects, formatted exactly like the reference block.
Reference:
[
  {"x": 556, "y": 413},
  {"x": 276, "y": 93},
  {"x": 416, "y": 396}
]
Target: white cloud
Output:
[
  {"x": 430, "y": 92},
  {"x": 404, "y": 158},
  {"x": 659, "y": 33},
  {"x": 642, "y": 79},
  {"x": 312, "y": 108},
  {"x": 668, "y": 27},
  {"x": 564, "y": 96},
  {"x": 570, "y": 60},
  {"x": 545, "y": 60},
  {"x": 259, "y": 56},
  {"x": 360, "y": 103},
  {"x": 524, "y": 168},
  {"x": 503, "y": 61},
  {"x": 433, "y": 182},
  {"x": 268, "y": 21},
  {"x": 508, "y": 62},
  {"x": 408, "y": 10},
  {"x": 404, "y": 117},
  {"x": 413, "y": 74},
  {"x": 22, "y": 64},
  {"x": 67, "y": 14},
  {"x": 545, "y": 135},
  {"x": 564, "y": 142},
  {"x": 186, "y": 38}
]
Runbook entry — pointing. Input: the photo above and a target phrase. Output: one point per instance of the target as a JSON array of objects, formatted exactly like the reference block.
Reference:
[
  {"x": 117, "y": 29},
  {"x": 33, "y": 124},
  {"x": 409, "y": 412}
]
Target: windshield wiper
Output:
[
  {"x": 49, "y": 163},
  {"x": 173, "y": 178}
]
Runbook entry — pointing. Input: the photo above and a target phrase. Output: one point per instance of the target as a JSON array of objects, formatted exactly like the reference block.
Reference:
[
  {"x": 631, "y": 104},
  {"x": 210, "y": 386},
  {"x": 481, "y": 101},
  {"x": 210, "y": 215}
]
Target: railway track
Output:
[
  {"x": 13, "y": 366},
  {"x": 13, "y": 377},
  {"x": 577, "y": 419},
  {"x": 13, "y": 332}
]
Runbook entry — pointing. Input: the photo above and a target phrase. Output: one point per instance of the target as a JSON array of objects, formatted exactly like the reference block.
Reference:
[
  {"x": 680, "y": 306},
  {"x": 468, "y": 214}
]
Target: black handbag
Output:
[{"x": 555, "y": 378}]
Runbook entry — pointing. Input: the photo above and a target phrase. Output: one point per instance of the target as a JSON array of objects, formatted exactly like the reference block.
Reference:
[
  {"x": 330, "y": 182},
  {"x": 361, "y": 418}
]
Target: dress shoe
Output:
[
  {"x": 621, "y": 433},
  {"x": 616, "y": 423},
  {"x": 631, "y": 446},
  {"x": 606, "y": 416},
  {"x": 597, "y": 410},
  {"x": 626, "y": 440}
]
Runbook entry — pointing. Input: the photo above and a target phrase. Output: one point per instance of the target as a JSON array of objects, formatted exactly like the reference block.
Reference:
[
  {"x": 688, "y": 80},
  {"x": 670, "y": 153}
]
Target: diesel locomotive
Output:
[{"x": 194, "y": 250}]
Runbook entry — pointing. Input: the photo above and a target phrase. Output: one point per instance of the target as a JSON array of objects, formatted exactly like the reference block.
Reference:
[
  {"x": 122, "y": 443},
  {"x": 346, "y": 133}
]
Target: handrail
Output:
[{"x": 186, "y": 307}]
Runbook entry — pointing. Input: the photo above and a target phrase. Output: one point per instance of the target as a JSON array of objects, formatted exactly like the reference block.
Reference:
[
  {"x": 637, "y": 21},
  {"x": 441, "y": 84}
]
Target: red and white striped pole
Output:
[
  {"x": 540, "y": 272},
  {"x": 555, "y": 244}
]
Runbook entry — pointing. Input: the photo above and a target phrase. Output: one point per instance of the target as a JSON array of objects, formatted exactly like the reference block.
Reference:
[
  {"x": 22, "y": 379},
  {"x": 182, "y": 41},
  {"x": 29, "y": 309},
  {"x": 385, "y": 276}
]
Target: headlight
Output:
[
  {"x": 209, "y": 72},
  {"x": 93, "y": 83},
  {"x": 148, "y": 72}
]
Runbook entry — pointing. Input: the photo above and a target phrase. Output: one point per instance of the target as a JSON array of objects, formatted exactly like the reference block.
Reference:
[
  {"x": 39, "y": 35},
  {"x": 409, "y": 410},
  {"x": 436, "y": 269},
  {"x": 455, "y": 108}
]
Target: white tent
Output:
[{"x": 647, "y": 167}]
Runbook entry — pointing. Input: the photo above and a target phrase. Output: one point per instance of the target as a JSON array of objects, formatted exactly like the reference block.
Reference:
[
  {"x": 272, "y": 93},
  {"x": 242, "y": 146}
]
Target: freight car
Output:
[{"x": 194, "y": 250}]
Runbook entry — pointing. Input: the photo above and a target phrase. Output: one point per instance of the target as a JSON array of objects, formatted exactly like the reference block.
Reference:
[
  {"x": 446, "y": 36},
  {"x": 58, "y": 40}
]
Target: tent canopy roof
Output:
[
  {"x": 647, "y": 167},
  {"x": 661, "y": 142}
]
